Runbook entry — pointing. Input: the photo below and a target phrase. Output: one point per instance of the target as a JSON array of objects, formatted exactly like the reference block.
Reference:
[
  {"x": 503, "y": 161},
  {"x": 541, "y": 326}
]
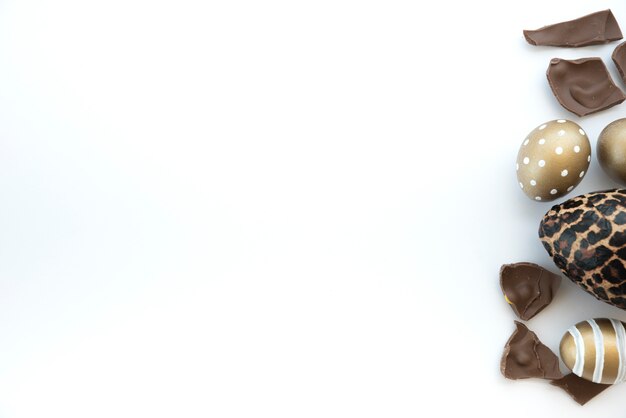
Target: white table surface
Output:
[{"x": 282, "y": 209}]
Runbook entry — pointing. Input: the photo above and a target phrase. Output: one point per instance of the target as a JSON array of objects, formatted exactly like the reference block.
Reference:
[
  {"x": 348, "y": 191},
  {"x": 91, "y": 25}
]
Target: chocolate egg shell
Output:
[
  {"x": 528, "y": 288},
  {"x": 596, "y": 350},
  {"x": 586, "y": 238},
  {"x": 611, "y": 150},
  {"x": 583, "y": 86},
  {"x": 552, "y": 160}
]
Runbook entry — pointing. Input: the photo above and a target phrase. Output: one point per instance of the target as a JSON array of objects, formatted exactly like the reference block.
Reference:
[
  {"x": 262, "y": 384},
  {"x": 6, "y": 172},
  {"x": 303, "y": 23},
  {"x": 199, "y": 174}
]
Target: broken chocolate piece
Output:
[
  {"x": 525, "y": 356},
  {"x": 619, "y": 58},
  {"x": 583, "y": 86},
  {"x": 595, "y": 28},
  {"x": 581, "y": 390},
  {"x": 528, "y": 288}
]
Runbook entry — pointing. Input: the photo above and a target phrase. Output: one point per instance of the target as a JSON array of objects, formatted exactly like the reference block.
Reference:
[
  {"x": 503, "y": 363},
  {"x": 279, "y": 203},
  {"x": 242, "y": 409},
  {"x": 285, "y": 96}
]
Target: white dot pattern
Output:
[{"x": 548, "y": 162}]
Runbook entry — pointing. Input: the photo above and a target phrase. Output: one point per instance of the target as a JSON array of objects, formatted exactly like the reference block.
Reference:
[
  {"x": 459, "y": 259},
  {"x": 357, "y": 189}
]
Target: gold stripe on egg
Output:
[
  {"x": 611, "y": 355},
  {"x": 590, "y": 349},
  {"x": 568, "y": 350}
]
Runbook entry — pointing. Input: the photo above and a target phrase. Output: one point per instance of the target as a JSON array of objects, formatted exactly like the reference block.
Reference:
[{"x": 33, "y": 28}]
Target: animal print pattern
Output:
[{"x": 586, "y": 238}]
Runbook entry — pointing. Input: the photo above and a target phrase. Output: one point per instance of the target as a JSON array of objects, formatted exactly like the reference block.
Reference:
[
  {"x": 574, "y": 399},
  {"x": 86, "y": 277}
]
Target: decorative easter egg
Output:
[
  {"x": 596, "y": 350},
  {"x": 552, "y": 160},
  {"x": 611, "y": 150},
  {"x": 586, "y": 238}
]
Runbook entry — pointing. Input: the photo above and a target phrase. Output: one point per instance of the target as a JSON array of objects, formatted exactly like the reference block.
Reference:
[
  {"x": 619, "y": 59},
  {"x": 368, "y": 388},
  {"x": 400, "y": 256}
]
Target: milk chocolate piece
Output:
[
  {"x": 578, "y": 388},
  {"x": 619, "y": 58},
  {"x": 583, "y": 86},
  {"x": 525, "y": 356},
  {"x": 528, "y": 288},
  {"x": 596, "y": 28}
]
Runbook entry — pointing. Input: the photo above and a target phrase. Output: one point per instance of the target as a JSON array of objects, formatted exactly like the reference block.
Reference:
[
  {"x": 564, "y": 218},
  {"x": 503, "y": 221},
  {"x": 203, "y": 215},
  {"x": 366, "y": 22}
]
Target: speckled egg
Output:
[
  {"x": 552, "y": 160},
  {"x": 596, "y": 350}
]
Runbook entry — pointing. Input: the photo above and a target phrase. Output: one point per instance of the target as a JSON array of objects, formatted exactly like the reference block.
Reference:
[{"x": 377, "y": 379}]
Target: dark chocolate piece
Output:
[
  {"x": 525, "y": 356},
  {"x": 596, "y": 28},
  {"x": 581, "y": 390},
  {"x": 528, "y": 288},
  {"x": 583, "y": 86},
  {"x": 619, "y": 58}
]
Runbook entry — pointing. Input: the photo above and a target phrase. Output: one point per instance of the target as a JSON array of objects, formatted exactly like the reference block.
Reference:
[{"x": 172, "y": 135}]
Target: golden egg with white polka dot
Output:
[{"x": 552, "y": 160}]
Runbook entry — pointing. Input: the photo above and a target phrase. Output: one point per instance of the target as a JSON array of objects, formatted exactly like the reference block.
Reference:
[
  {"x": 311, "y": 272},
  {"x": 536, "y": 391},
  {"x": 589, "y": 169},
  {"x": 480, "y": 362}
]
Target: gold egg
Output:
[
  {"x": 552, "y": 160},
  {"x": 596, "y": 350},
  {"x": 611, "y": 149}
]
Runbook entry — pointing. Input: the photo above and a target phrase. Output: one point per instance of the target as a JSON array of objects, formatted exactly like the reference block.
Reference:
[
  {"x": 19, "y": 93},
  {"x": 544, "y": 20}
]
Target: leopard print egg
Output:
[
  {"x": 586, "y": 238},
  {"x": 552, "y": 160}
]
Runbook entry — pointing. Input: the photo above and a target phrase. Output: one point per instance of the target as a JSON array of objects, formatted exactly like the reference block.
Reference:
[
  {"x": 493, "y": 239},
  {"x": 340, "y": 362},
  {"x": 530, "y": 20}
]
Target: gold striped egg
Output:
[{"x": 596, "y": 350}]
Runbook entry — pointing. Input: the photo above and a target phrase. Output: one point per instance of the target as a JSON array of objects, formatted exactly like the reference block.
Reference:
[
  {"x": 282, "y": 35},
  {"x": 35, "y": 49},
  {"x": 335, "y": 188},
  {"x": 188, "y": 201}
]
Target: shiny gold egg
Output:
[
  {"x": 552, "y": 160},
  {"x": 596, "y": 350},
  {"x": 611, "y": 149}
]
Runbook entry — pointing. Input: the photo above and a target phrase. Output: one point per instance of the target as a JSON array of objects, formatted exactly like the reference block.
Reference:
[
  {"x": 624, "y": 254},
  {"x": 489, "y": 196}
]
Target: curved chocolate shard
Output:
[
  {"x": 525, "y": 356},
  {"x": 583, "y": 86},
  {"x": 619, "y": 58},
  {"x": 595, "y": 28},
  {"x": 581, "y": 390},
  {"x": 528, "y": 288}
]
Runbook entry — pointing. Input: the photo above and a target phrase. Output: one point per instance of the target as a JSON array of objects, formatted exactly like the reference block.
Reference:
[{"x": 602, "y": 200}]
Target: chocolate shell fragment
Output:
[
  {"x": 583, "y": 86},
  {"x": 596, "y": 28},
  {"x": 619, "y": 58},
  {"x": 525, "y": 356},
  {"x": 528, "y": 288},
  {"x": 581, "y": 390}
]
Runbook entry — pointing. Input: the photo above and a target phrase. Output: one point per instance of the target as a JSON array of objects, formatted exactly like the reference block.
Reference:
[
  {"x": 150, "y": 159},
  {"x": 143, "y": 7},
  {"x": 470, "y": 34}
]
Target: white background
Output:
[{"x": 279, "y": 208}]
